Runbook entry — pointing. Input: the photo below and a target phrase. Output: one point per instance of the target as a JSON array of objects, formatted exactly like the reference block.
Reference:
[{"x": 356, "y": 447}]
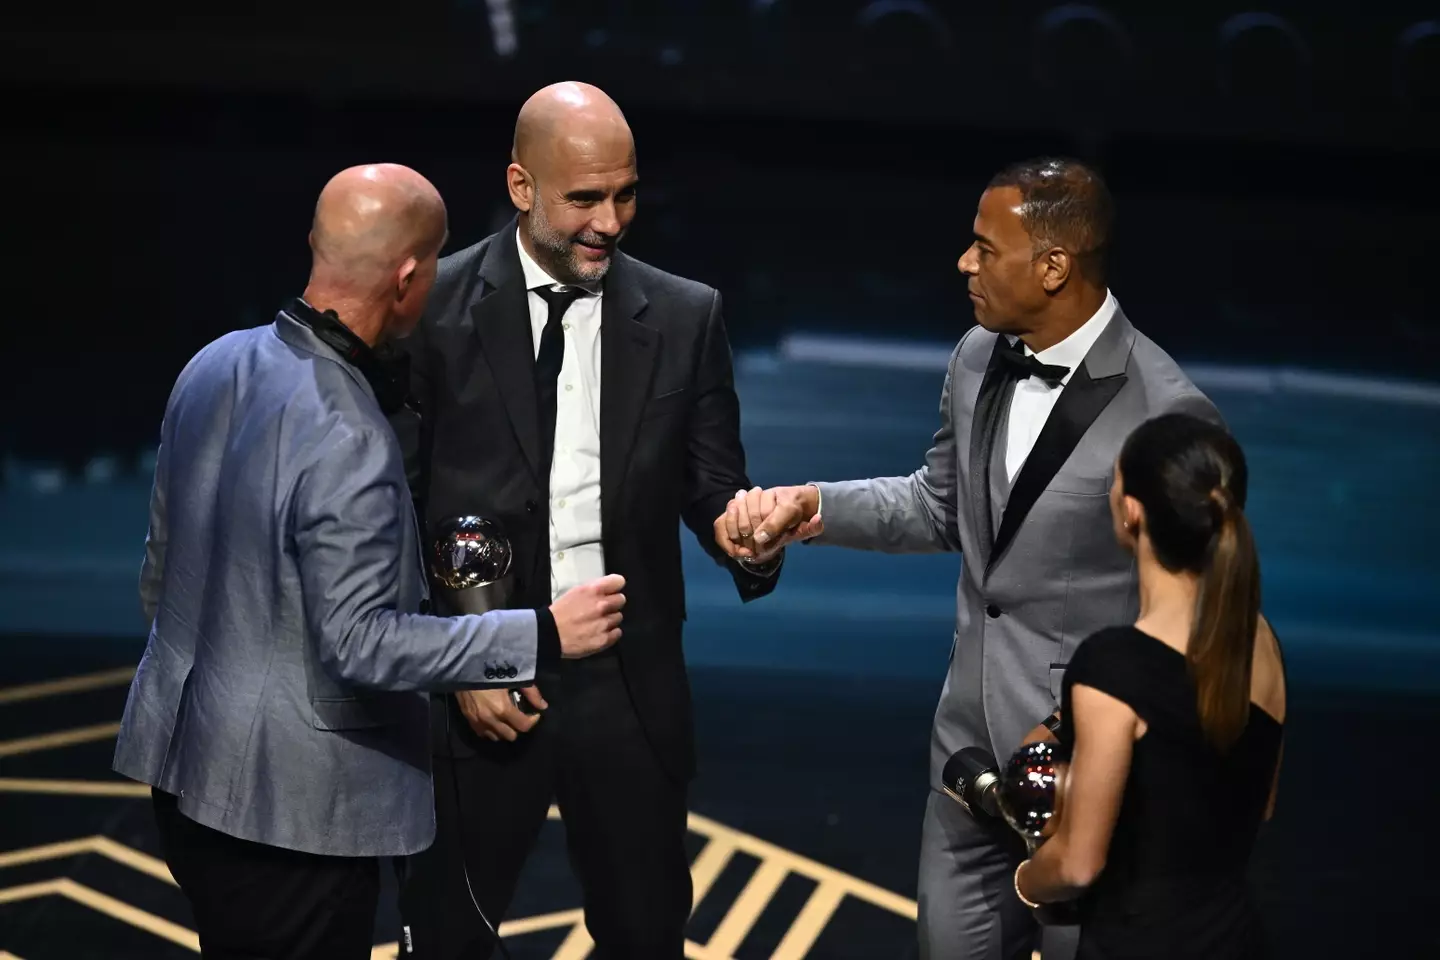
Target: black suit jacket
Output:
[{"x": 670, "y": 447}]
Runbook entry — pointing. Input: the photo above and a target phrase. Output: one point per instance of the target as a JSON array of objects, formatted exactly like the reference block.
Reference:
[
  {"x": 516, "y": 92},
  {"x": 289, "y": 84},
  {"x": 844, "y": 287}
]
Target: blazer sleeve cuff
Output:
[{"x": 547, "y": 637}]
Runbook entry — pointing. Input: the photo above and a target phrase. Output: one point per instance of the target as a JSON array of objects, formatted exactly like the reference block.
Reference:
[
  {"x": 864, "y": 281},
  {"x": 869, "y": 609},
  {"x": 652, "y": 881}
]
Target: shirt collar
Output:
[
  {"x": 536, "y": 276},
  {"x": 1071, "y": 351}
]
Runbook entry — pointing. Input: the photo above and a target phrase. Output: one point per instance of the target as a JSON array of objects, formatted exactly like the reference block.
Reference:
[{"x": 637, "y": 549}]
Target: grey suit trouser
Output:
[{"x": 968, "y": 907}]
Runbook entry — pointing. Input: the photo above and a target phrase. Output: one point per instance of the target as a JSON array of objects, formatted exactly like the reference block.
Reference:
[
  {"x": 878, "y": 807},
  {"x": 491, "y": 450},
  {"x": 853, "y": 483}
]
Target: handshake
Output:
[{"x": 757, "y": 524}]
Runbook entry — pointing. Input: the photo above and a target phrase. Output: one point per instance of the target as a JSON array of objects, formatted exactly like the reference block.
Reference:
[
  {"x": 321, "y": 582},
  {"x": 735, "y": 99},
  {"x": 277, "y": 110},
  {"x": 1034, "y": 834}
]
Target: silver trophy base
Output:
[{"x": 476, "y": 600}]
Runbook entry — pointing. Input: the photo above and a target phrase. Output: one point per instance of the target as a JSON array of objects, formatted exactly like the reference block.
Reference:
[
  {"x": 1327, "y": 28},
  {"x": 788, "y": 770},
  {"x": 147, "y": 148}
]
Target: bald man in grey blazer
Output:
[
  {"x": 279, "y": 711},
  {"x": 1037, "y": 401}
]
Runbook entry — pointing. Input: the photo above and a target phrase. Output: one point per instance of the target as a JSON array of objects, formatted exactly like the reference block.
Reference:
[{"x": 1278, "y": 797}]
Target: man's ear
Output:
[
  {"x": 521, "y": 186},
  {"x": 406, "y": 277},
  {"x": 1057, "y": 264}
]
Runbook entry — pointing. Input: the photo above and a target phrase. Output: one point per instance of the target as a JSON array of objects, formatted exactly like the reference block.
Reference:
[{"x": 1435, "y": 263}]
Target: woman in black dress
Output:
[{"x": 1175, "y": 723}]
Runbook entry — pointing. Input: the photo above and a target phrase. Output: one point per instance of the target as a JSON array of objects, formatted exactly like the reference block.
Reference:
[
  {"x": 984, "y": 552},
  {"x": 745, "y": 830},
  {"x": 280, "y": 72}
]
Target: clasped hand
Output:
[
  {"x": 494, "y": 716},
  {"x": 757, "y": 524}
]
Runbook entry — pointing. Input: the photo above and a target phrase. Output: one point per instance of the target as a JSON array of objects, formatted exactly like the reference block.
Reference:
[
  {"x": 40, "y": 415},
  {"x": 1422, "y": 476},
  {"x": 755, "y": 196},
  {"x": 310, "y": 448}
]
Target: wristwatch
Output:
[
  {"x": 763, "y": 568},
  {"x": 1052, "y": 723}
]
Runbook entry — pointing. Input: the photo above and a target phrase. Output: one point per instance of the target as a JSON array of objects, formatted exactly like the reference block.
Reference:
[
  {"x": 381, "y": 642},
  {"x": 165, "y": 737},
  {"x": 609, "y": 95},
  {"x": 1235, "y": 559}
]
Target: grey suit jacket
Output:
[
  {"x": 1052, "y": 573},
  {"x": 279, "y": 693}
]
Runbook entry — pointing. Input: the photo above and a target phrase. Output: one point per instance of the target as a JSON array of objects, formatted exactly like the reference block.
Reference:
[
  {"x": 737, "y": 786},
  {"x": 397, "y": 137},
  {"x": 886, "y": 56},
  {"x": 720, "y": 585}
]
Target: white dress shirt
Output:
[
  {"x": 576, "y": 553},
  {"x": 1033, "y": 399}
]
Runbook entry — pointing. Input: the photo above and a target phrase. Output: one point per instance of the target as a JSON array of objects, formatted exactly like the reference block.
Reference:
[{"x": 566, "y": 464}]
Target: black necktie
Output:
[
  {"x": 1022, "y": 366},
  {"x": 548, "y": 362}
]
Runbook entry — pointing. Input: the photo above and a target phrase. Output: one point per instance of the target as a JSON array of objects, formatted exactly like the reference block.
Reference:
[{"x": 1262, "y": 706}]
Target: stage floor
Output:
[{"x": 804, "y": 828}]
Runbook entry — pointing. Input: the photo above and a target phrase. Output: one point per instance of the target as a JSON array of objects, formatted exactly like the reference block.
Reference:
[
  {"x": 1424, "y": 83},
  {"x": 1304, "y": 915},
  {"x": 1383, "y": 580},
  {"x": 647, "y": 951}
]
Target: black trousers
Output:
[
  {"x": 624, "y": 826},
  {"x": 257, "y": 902}
]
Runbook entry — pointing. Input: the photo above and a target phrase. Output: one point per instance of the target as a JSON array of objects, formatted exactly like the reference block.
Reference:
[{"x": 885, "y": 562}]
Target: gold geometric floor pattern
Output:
[
  {"x": 721, "y": 844},
  {"x": 832, "y": 887}
]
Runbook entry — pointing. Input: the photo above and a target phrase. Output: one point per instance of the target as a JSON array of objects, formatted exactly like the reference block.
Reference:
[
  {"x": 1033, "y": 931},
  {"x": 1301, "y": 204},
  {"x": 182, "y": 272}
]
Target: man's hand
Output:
[
  {"x": 492, "y": 714},
  {"x": 588, "y": 616},
  {"x": 758, "y": 524}
]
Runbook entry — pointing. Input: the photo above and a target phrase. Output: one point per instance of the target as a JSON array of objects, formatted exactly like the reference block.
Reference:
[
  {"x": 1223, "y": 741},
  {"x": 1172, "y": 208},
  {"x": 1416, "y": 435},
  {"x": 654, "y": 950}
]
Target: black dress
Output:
[{"x": 1174, "y": 883}]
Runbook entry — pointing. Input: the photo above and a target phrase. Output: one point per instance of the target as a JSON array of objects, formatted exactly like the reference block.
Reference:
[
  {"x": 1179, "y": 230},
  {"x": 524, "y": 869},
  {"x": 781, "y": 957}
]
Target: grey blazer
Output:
[
  {"x": 1041, "y": 570},
  {"x": 279, "y": 693}
]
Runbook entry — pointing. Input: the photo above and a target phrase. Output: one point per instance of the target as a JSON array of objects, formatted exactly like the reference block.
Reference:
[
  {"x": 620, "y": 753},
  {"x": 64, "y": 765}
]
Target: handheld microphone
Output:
[
  {"x": 972, "y": 779},
  {"x": 1024, "y": 795}
]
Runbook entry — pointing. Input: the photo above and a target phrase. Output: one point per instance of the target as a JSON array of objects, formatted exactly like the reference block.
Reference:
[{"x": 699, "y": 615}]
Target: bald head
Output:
[
  {"x": 377, "y": 233},
  {"x": 369, "y": 221},
  {"x": 567, "y": 118}
]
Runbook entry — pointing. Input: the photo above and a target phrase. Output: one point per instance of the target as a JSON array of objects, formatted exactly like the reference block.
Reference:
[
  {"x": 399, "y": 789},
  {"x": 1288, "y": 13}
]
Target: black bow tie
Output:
[{"x": 1023, "y": 366}]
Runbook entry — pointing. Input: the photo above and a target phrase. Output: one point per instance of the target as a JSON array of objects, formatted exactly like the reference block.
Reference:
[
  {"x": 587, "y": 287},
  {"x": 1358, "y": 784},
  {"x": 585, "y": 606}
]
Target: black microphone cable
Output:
[{"x": 460, "y": 829}]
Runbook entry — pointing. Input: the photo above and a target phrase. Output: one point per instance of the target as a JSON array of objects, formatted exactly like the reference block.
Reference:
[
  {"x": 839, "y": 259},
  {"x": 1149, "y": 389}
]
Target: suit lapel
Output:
[
  {"x": 502, "y": 325},
  {"x": 628, "y": 353},
  {"x": 1091, "y": 388},
  {"x": 982, "y": 445}
]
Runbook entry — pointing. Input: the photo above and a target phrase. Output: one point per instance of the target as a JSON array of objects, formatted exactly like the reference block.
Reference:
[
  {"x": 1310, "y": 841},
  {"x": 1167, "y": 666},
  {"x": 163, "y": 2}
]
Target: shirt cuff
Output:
[
  {"x": 819, "y": 502},
  {"x": 547, "y": 637}
]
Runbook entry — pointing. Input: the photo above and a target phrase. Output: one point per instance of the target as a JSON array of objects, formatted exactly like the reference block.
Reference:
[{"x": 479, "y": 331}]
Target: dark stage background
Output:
[{"x": 819, "y": 162}]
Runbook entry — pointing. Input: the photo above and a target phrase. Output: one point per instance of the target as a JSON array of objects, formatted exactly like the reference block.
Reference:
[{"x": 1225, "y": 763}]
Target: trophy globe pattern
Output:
[
  {"x": 1029, "y": 788},
  {"x": 468, "y": 552}
]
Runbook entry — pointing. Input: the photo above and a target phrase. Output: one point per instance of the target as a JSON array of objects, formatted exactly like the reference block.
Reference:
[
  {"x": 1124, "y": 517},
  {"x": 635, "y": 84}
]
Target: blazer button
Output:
[
  {"x": 489, "y": 673},
  {"x": 511, "y": 673},
  {"x": 531, "y": 506},
  {"x": 992, "y": 611}
]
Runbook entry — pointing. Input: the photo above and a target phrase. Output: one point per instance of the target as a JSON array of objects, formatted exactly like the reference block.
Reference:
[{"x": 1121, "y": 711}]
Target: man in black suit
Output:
[{"x": 584, "y": 400}]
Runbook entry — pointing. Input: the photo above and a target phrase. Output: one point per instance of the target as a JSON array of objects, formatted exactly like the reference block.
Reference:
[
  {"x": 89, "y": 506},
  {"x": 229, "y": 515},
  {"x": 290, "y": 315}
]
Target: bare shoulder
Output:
[{"x": 1267, "y": 674}]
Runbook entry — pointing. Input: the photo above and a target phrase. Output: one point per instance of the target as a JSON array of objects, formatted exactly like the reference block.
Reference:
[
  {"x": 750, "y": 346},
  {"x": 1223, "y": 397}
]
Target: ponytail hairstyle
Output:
[{"x": 1190, "y": 476}]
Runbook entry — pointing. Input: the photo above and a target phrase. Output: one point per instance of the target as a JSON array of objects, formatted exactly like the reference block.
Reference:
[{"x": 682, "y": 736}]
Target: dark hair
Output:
[
  {"x": 1064, "y": 203},
  {"x": 1189, "y": 475}
]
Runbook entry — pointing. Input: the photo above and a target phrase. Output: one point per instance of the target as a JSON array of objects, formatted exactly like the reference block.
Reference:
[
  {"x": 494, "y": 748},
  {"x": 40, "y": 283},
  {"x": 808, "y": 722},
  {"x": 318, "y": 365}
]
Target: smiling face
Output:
[{"x": 577, "y": 201}]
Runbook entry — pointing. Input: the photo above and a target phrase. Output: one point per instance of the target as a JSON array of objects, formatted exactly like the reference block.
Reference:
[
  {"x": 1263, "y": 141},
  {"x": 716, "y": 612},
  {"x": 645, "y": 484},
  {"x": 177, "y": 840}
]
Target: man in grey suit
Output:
[
  {"x": 278, "y": 711},
  {"x": 1037, "y": 401}
]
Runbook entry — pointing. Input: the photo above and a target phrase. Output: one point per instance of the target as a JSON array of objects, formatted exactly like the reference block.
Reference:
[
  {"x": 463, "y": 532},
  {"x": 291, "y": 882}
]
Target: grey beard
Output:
[{"x": 565, "y": 263}]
